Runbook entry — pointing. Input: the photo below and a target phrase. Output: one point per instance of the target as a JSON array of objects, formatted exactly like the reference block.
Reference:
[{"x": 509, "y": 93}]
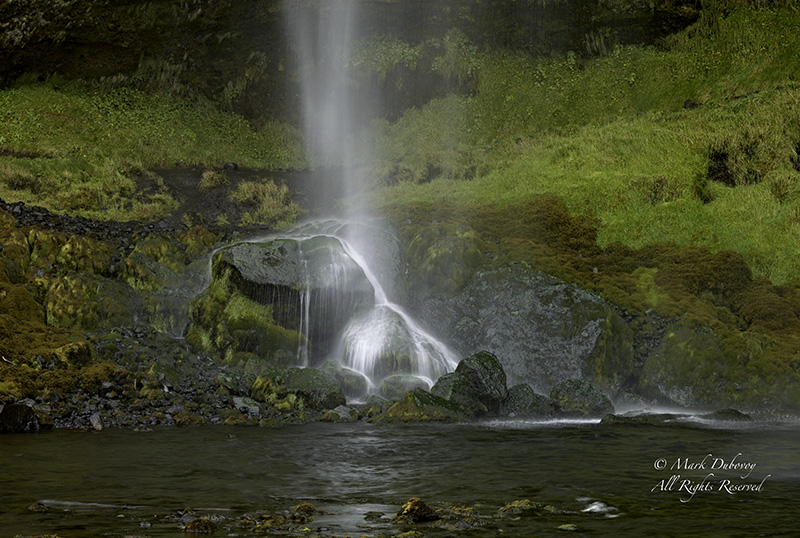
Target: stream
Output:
[{"x": 605, "y": 479}]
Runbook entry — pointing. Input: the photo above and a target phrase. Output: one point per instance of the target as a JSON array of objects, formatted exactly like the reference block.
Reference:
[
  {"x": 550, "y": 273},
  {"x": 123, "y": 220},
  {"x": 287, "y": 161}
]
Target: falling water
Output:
[
  {"x": 382, "y": 340},
  {"x": 377, "y": 341}
]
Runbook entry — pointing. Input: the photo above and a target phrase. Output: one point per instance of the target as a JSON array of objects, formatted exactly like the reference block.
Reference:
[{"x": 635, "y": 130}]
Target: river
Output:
[{"x": 605, "y": 479}]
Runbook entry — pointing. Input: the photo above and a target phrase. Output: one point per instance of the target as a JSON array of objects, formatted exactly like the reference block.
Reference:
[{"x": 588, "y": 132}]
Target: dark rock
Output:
[
  {"x": 522, "y": 401},
  {"x": 543, "y": 329},
  {"x": 230, "y": 166},
  {"x": 579, "y": 399},
  {"x": 478, "y": 385},
  {"x": 24, "y": 417}
]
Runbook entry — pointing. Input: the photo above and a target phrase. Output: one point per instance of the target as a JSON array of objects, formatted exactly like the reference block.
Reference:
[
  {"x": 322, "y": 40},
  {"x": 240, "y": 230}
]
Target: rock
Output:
[
  {"x": 317, "y": 389},
  {"x": 478, "y": 385},
  {"x": 244, "y": 403},
  {"x": 187, "y": 418},
  {"x": 353, "y": 384},
  {"x": 569, "y": 527},
  {"x": 341, "y": 413},
  {"x": 395, "y": 386},
  {"x": 542, "y": 329},
  {"x": 577, "y": 398},
  {"x": 689, "y": 368},
  {"x": 279, "y": 272},
  {"x": 200, "y": 525},
  {"x": 96, "y": 422},
  {"x": 24, "y": 417},
  {"x": 516, "y": 508},
  {"x": 650, "y": 419},
  {"x": 230, "y": 166},
  {"x": 522, "y": 401},
  {"x": 415, "y": 511},
  {"x": 420, "y": 406}
]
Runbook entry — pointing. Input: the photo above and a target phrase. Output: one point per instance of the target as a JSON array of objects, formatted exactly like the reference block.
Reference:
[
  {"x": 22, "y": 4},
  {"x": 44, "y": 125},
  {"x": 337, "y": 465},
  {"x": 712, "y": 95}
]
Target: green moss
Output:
[
  {"x": 420, "y": 406},
  {"x": 16, "y": 301}
]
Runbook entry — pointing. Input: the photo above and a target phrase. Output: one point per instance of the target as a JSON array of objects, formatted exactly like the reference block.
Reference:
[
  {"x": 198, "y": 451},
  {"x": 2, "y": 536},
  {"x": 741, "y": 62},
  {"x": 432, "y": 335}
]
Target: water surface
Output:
[{"x": 606, "y": 479}]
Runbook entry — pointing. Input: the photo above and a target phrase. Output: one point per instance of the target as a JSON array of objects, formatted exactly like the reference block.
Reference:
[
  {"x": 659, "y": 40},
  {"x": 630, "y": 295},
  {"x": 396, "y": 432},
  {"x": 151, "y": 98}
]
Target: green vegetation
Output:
[
  {"x": 613, "y": 138},
  {"x": 270, "y": 203},
  {"x": 80, "y": 148}
]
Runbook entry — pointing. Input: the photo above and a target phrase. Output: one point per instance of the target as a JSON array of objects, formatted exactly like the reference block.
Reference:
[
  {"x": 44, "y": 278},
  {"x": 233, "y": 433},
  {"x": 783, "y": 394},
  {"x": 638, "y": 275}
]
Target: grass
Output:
[
  {"x": 73, "y": 147},
  {"x": 611, "y": 137}
]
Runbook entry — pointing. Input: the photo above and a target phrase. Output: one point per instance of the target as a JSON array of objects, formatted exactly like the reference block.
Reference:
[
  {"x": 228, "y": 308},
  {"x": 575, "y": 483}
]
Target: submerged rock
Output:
[
  {"x": 577, "y": 398},
  {"x": 415, "y": 511}
]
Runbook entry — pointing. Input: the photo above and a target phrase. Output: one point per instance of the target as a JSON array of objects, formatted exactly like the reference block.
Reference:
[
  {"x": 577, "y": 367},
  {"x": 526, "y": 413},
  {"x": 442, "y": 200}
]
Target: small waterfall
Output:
[{"x": 379, "y": 340}]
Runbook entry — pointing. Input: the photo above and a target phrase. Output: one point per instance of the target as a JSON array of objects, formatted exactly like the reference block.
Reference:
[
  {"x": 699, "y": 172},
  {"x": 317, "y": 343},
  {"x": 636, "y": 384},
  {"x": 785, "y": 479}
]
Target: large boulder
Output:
[
  {"x": 543, "y": 329},
  {"x": 478, "y": 385}
]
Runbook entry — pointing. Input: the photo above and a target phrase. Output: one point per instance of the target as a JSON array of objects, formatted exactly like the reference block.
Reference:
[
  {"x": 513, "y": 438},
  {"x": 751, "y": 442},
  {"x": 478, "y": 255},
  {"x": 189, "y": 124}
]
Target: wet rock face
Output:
[
  {"x": 543, "y": 330},
  {"x": 290, "y": 274}
]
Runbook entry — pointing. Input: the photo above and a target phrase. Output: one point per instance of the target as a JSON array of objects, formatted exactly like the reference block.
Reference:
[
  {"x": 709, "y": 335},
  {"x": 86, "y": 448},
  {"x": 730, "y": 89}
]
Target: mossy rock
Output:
[
  {"x": 415, "y": 510},
  {"x": 224, "y": 320},
  {"x": 522, "y": 401},
  {"x": 316, "y": 389},
  {"x": 16, "y": 301},
  {"x": 445, "y": 257},
  {"x": 26, "y": 340},
  {"x": 689, "y": 368},
  {"x": 520, "y": 507},
  {"x": 187, "y": 418},
  {"x": 45, "y": 245},
  {"x": 7, "y": 220},
  {"x": 16, "y": 256},
  {"x": 577, "y": 398},
  {"x": 196, "y": 241},
  {"x": 85, "y": 255},
  {"x": 164, "y": 251},
  {"x": 89, "y": 303},
  {"x": 353, "y": 384},
  {"x": 420, "y": 406},
  {"x": 456, "y": 388},
  {"x": 144, "y": 274}
]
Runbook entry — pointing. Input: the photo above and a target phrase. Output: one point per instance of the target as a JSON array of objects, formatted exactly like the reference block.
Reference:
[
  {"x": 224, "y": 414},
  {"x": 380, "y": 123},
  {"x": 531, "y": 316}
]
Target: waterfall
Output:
[{"x": 382, "y": 340}]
